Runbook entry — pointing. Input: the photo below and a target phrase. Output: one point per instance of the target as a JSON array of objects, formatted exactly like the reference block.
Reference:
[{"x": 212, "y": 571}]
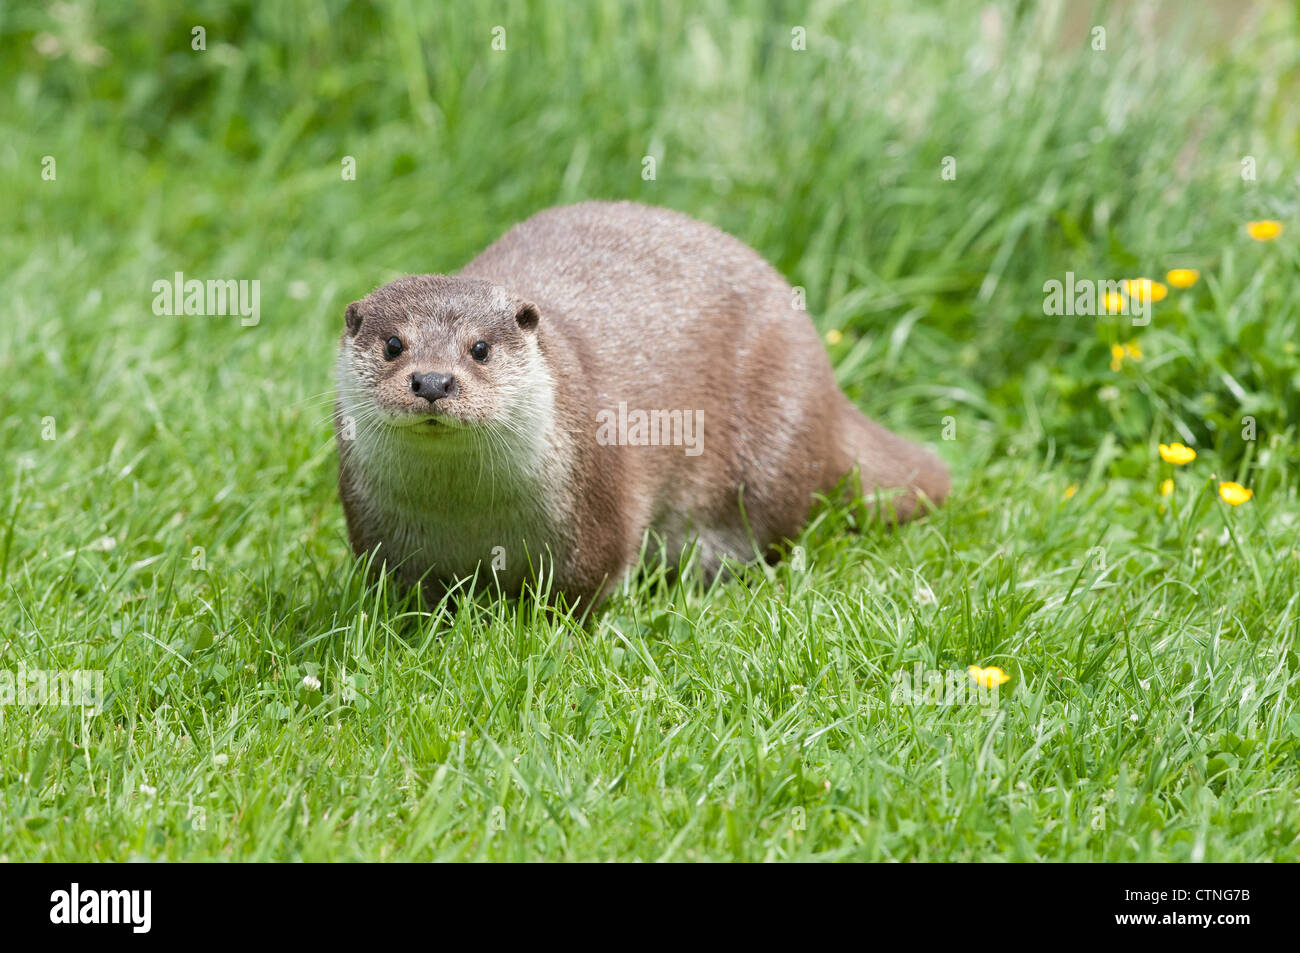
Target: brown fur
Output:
[{"x": 585, "y": 307}]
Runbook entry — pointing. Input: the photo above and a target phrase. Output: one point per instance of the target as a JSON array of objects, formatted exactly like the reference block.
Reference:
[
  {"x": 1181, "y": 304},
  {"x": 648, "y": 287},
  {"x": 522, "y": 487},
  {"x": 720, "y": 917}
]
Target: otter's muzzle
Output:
[{"x": 434, "y": 387}]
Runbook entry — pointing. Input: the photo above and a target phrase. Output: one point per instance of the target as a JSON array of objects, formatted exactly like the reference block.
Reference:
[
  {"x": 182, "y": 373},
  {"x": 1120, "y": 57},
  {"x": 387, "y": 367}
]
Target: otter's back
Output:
[
  {"x": 657, "y": 296},
  {"x": 594, "y": 256}
]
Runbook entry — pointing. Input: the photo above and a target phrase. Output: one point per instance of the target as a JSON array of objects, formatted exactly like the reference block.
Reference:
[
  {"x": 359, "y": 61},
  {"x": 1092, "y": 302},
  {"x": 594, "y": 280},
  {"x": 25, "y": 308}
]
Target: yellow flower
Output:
[
  {"x": 1120, "y": 351},
  {"x": 1167, "y": 487},
  {"x": 1070, "y": 490},
  {"x": 833, "y": 336},
  {"x": 1234, "y": 493},
  {"x": 1176, "y": 453},
  {"x": 1112, "y": 303},
  {"x": 1264, "y": 231},
  {"x": 1183, "y": 277},
  {"x": 990, "y": 677},
  {"x": 1144, "y": 289}
]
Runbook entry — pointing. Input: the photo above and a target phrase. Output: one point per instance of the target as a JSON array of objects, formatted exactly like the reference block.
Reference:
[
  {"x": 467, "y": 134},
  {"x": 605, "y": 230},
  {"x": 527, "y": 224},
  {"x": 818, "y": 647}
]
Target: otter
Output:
[{"x": 603, "y": 374}]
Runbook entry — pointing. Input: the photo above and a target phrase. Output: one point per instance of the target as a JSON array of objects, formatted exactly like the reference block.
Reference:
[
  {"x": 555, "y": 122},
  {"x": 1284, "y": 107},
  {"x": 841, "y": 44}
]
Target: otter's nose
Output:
[{"x": 433, "y": 386}]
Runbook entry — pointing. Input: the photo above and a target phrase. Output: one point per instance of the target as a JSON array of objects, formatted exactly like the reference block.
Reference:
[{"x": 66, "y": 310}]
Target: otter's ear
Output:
[
  {"x": 353, "y": 317},
  {"x": 527, "y": 317}
]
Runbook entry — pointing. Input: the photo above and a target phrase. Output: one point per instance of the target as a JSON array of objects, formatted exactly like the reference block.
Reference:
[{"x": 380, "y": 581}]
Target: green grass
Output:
[{"x": 1153, "y": 708}]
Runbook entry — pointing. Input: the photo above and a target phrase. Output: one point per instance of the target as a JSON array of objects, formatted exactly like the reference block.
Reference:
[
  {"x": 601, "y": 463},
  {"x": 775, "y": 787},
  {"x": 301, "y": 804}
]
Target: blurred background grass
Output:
[{"x": 1125, "y": 162}]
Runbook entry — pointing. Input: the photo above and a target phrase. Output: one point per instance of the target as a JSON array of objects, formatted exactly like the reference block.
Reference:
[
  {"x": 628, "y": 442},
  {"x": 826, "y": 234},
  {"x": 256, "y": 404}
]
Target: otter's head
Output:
[{"x": 431, "y": 355}]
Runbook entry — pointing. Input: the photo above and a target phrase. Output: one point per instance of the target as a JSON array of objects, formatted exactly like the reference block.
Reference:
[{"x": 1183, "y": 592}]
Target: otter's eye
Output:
[
  {"x": 479, "y": 351},
  {"x": 393, "y": 347}
]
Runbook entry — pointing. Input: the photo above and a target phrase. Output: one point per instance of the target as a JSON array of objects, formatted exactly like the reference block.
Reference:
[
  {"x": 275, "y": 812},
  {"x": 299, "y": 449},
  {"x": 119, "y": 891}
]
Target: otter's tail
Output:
[{"x": 901, "y": 475}]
